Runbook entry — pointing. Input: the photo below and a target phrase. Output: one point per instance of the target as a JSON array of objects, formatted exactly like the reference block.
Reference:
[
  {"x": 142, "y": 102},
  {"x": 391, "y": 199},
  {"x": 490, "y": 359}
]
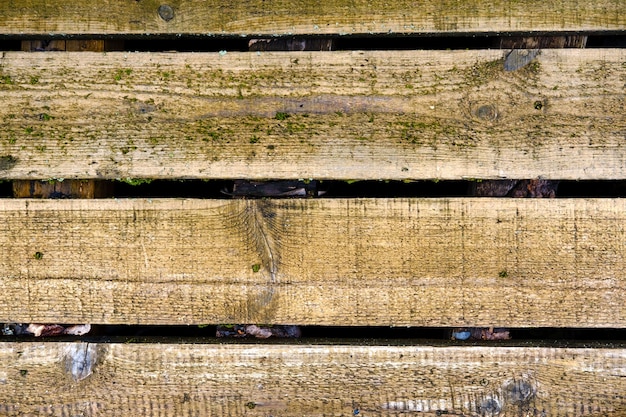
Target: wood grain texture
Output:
[
  {"x": 311, "y": 380},
  {"x": 290, "y": 17},
  {"x": 69, "y": 188},
  {"x": 409, "y": 114},
  {"x": 418, "y": 262}
]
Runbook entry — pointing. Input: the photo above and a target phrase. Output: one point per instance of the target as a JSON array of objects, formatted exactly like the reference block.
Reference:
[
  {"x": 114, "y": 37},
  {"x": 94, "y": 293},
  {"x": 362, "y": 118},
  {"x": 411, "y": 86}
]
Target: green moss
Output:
[
  {"x": 126, "y": 149},
  {"x": 6, "y": 79},
  {"x": 121, "y": 73},
  {"x": 413, "y": 132},
  {"x": 135, "y": 181},
  {"x": 54, "y": 180},
  {"x": 45, "y": 117},
  {"x": 256, "y": 268},
  {"x": 34, "y": 80},
  {"x": 483, "y": 72},
  {"x": 255, "y": 139},
  {"x": 281, "y": 116},
  {"x": 38, "y": 255},
  {"x": 7, "y": 162},
  {"x": 503, "y": 274},
  {"x": 534, "y": 66}
]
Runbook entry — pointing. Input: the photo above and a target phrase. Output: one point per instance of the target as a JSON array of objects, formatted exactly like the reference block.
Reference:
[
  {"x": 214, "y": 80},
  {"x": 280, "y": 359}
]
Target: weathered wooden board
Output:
[
  {"x": 409, "y": 114},
  {"x": 419, "y": 262},
  {"x": 69, "y": 188},
  {"x": 285, "y": 17},
  {"x": 313, "y": 380}
]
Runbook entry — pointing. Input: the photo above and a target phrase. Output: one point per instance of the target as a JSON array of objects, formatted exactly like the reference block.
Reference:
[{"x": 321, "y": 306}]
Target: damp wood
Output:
[{"x": 319, "y": 115}]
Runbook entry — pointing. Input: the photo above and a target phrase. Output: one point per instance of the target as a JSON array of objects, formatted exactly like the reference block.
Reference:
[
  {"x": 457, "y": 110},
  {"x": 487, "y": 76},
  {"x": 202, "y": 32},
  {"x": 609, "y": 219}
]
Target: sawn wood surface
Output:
[{"x": 415, "y": 262}]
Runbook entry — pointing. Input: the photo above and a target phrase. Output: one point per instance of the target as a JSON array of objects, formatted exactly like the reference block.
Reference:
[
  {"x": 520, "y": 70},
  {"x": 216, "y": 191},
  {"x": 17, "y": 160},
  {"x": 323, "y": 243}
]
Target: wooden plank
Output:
[
  {"x": 526, "y": 188},
  {"x": 409, "y": 114},
  {"x": 313, "y": 380},
  {"x": 69, "y": 188},
  {"x": 290, "y": 17},
  {"x": 416, "y": 262}
]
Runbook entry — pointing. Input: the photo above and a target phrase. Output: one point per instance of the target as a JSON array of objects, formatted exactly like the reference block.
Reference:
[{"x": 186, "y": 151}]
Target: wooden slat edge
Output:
[
  {"x": 321, "y": 115},
  {"x": 416, "y": 262},
  {"x": 288, "y": 17},
  {"x": 208, "y": 379}
]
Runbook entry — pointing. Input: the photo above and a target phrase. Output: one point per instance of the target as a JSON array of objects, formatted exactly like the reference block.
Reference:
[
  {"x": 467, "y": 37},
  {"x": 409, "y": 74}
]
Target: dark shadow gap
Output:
[
  {"x": 223, "y": 189},
  {"x": 346, "y": 332},
  {"x": 189, "y": 43}
]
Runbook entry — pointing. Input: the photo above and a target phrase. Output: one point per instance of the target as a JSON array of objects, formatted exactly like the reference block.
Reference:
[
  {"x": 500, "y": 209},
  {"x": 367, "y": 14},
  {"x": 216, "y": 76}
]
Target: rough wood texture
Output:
[
  {"x": 62, "y": 379},
  {"x": 291, "y": 17},
  {"x": 526, "y": 188},
  {"x": 69, "y": 188},
  {"x": 420, "y": 262},
  {"x": 411, "y": 114}
]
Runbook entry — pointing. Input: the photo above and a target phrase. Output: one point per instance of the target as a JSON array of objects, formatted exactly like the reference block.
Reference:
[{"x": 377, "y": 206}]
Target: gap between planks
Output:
[{"x": 343, "y": 262}]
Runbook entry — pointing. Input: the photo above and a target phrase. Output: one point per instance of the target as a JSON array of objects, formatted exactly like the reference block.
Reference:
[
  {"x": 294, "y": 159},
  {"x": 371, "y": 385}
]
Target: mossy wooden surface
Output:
[
  {"x": 408, "y": 114},
  {"x": 69, "y": 188},
  {"x": 311, "y": 380},
  {"x": 419, "y": 262},
  {"x": 286, "y": 17}
]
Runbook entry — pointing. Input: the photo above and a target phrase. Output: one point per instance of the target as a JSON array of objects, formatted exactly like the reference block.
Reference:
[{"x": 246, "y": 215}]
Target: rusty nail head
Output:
[{"x": 166, "y": 12}]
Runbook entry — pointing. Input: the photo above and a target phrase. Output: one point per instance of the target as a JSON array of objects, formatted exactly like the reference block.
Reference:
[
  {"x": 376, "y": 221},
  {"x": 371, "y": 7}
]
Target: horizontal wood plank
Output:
[
  {"x": 287, "y": 17},
  {"x": 415, "y": 262},
  {"x": 91, "y": 379},
  {"x": 322, "y": 115}
]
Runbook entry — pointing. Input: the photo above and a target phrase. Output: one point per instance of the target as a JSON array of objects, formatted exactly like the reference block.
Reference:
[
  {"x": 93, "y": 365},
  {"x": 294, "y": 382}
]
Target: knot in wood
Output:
[
  {"x": 166, "y": 12},
  {"x": 485, "y": 112}
]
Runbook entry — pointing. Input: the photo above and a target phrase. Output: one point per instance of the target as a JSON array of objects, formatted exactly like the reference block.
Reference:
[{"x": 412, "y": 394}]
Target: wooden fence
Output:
[{"x": 80, "y": 109}]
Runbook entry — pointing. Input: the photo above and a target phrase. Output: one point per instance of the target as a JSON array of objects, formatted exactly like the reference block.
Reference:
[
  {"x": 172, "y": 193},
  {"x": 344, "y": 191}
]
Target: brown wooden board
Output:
[
  {"x": 69, "y": 188},
  {"x": 321, "y": 115},
  {"x": 415, "y": 262},
  {"x": 290, "y": 17},
  {"x": 59, "y": 379}
]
